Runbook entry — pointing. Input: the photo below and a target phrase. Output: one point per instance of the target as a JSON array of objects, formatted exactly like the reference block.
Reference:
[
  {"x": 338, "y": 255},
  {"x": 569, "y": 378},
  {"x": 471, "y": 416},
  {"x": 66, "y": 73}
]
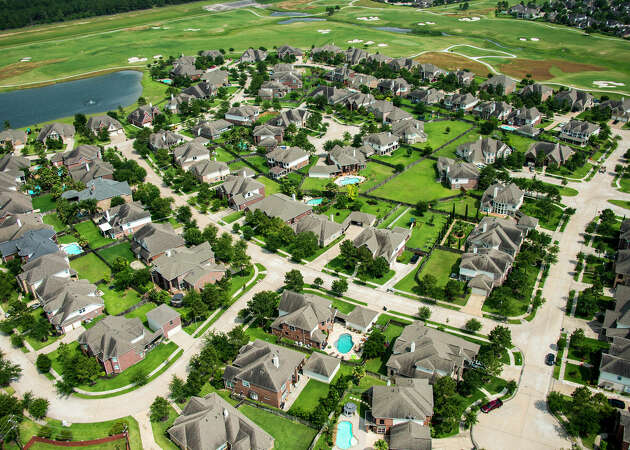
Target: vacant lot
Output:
[
  {"x": 542, "y": 70},
  {"x": 451, "y": 61}
]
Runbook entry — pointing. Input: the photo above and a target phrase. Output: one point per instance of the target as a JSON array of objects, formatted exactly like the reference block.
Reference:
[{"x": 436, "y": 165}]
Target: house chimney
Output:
[
  {"x": 475, "y": 248},
  {"x": 496, "y": 191},
  {"x": 484, "y": 226},
  {"x": 19, "y": 222},
  {"x": 275, "y": 360},
  {"x": 412, "y": 347},
  {"x": 293, "y": 197},
  {"x": 225, "y": 413},
  {"x": 87, "y": 166},
  {"x": 331, "y": 217}
]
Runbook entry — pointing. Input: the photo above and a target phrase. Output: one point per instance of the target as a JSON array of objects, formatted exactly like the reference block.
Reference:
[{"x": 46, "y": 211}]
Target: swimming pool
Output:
[
  {"x": 315, "y": 201},
  {"x": 344, "y": 343},
  {"x": 344, "y": 434},
  {"x": 507, "y": 127},
  {"x": 349, "y": 179},
  {"x": 72, "y": 249}
]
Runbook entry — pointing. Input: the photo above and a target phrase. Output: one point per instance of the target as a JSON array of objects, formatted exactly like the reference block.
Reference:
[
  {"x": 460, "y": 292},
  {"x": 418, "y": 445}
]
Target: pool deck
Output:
[
  {"x": 361, "y": 439},
  {"x": 337, "y": 331}
]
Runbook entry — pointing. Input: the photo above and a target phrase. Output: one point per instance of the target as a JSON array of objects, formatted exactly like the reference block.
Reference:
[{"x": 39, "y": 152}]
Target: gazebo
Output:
[{"x": 349, "y": 409}]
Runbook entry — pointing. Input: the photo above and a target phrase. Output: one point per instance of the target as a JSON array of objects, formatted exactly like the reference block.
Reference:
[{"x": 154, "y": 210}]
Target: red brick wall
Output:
[
  {"x": 167, "y": 327},
  {"x": 124, "y": 362},
  {"x": 211, "y": 278},
  {"x": 253, "y": 200}
]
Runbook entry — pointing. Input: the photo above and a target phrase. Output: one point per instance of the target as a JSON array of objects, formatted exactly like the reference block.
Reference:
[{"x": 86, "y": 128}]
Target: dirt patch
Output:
[
  {"x": 541, "y": 70},
  {"x": 294, "y": 5},
  {"x": 470, "y": 13},
  {"x": 452, "y": 62},
  {"x": 19, "y": 68}
]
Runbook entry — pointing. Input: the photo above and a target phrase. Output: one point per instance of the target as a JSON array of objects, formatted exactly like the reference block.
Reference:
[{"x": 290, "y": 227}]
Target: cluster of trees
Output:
[
  {"x": 85, "y": 134},
  {"x": 125, "y": 169},
  {"x": 149, "y": 195},
  {"x": 12, "y": 414},
  {"x": 126, "y": 277},
  {"x": 319, "y": 415},
  {"x": 224, "y": 249},
  {"x": 369, "y": 267},
  {"x": 76, "y": 368},
  {"x": 211, "y": 297},
  {"x": 490, "y": 175},
  {"x": 427, "y": 286}
]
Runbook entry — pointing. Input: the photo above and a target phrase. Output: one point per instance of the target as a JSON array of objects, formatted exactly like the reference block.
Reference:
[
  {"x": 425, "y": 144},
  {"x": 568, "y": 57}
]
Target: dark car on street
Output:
[
  {"x": 615, "y": 403},
  {"x": 494, "y": 404}
]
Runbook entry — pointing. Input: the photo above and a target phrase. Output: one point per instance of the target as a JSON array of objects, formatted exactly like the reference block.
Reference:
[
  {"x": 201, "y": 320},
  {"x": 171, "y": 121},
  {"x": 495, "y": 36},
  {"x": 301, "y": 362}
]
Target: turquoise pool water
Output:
[
  {"x": 344, "y": 435},
  {"x": 73, "y": 249},
  {"x": 315, "y": 201},
  {"x": 507, "y": 127},
  {"x": 349, "y": 180},
  {"x": 344, "y": 345}
]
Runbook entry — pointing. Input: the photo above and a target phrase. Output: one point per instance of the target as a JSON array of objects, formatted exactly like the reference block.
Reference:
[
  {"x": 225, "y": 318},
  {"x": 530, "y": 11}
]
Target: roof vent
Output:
[
  {"x": 275, "y": 360},
  {"x": 412, "y": 347},
  {"x": 225, "y": 413}
]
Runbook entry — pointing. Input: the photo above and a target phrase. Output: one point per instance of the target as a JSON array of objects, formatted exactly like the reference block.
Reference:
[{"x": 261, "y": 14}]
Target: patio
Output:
[
  {"x": 357, "y": 340},
  {"x": 361, "y": 438}
]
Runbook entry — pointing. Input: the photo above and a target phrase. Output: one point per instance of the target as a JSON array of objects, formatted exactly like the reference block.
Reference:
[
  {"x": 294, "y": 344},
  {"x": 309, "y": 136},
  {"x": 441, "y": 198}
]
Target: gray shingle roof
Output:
[
  {"x": 14, "y": 227},
  {"x": 32, "y": 244},
  {"x": 410, "y": 436},
  {"x": 162, "y": 314},
  {"x": 209, "y": 167},
  {"x": 408, "y": 398},
  {"x": 100, "y": 189},
  {"x": 89, "y": 171},
  {"x": 72, "y": 297},
  {"x": 95, "y": 123},
  {"x": 320, "y": 225},
  {"x": 155, "y": 238},
  {"x": 451, "y": 168},
  {"x": 189, "y": 151},
  {"x": 14, "y": 163},
  {"x": 12, "y": 202},
  {"x": 303, "y": 311},
  {"x": 45, "y": 266},
  {"x": 487, "y": 260},
  {"x": 78, "y": 154},
  {"x": 164, "y": 139},
  {"x": 115, "y": 335},
  {"x": 279, "y": 205},
  {"x": 361, "y": 316},
  {"x": 64, "y": 130},
  {"x": 321, "y": 364},
  {"x": 382, "y": 242},
  {"x": 184, "y": 260}
]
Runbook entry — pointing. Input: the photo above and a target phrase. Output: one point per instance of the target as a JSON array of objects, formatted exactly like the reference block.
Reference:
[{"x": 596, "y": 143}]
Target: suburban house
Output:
[
  {"x": 242, "y": 115},
  {"x": 207, "y": 171},
  {"x": 464, "y": 77},
  {"x": 578, "y": 132},
  {"x": 241, "y": 191},
  {"x": 355, "y": 55},
  {"x": 165, "y": 139},
  {"x": 77, "y": 157},
  {"x": 614, "y": 368},
  {"x": 17, "y": 138},
  {"x": 97, "y": 123},
  {"x": 430, "y": 72},
  {"x": 617, "y": 321},
  {"x": 13, "y": 202},
  {"x": 502, "y": 199},
  {"x": 339, "y": 74},
  {"x": 96, "y": 170},
  {"x": 624, "y": 235},
  {"x": 528, "y": 130},
  {"x": 118, "y": 343},
  {"x": 359, "y": 219},
  {"x": 493, "y": 110},
  {"x": 399, "y": 64},
  {"x": 213, "y": 423},
  {"x": 463, "y": 102},
  {"x": 361, "y": 319},
  {"x": 496, "y": 233},
  {"x": 536, "y": 90},
  {"x": 379, "y": 58},
  {"x": 252, "y": 55},
  {"x": 383, "y": 143},
  {"x": 321, "y": 367},
  {"x": 15, "y": 226},
  {"x": 457, "y": 174},
  {"x": 122, "y": 220},
  {"x": 201, "y": 90},
  {"x": 285, "y": 51},
  {"x": 429, "y": 96},
  {"x": 215, "y": 78},
  {"x": 37, "y": 270},
  {"x": 30, "y": 245},
  {"x": 182, "y": 269},
  {"x": 174, "y": 104},
  {"x": 483, "y": 151},
  {"x": 154, "y": 240},
  {"x": 290, "y": 116},
  {"x": 143, "y": 116},
  {"x": 164, "y": 319},
  {"x": 407, "y": 400},
  {"x": 68, "y": 304},
  {"x": 397, "y": 86},
  {"x": 622, "y": 435},
  {"x": 386, "y": 243},
  {"x": 14, "y": 166},
  {"x": 356, "y": 80},
  {"x": 619, "y": 109},
  {"x": 409, "y": 131},
  {"x": 574, "y": 100},
  {"x": 326, "y": 230},
  {"x": 212, "y": 130},
  {"x": 306, "y": 319},
  {"x": 548, "y": 153},
  {"x": 268, "y": 135},
  {"x": 279, "y": 205},
  {"x": 385, "y": 112},
  {"x": 327, "y": 48},
  {"x": 270, "y": 90},
  {"x": 190, "y": 152},
  {"x": 521, "y": 11},
  {"x": 410, "y": 435},
  {"x": 186, "y": 70},
  {"x": 423, "y": 352},
  {"x": 57, "y": 131},
  {"x": 285, "y": 160},
  {"x": 491, "y": 265},
  {"x": 102, "y": 190},
  {"x": 347, "y": 159},
  {"x": 501, "y": 84},
  {"x": 524, "y": 116},
  {"x": 264, "y": 372},
  {"x": 622, "y": 268}
]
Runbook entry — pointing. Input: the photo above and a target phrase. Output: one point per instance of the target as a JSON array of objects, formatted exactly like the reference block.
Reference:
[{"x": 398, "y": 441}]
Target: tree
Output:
[
  {"x": 374, "y": 346},
  {"x": 358, "y": 372},
  {"x": 452, "y": 289},
  {"x": 38, "y": 408},
  {"x": 177, "y": 389},
  {"x": 117, "y": 201},
  {"x": 473, "y": 325},
  {"x": 421, "y": 207},
  {"x": 43, "y": 363},
  {"x": 470, "y": 418},
  {"x": 501, "y": 337},
  {"x": 223, "y": 249},
  {"x": 490, "y": 360},
  {"x": 381, "y": 444},
  {"x": 183, "y": 214},
  {"x": 240, "y": 258},
  {"x": 159, "y": 409},
  {"x": 318, "y": 282},
  {"x": 339, "y": 287},
  {"x": 8, "y": 372},
  {"x": 140, "y": 378},
  {"x": 424, "y": 312},
  {"x": 263, "y": 305},
  {"x": 293, "y": 280}
]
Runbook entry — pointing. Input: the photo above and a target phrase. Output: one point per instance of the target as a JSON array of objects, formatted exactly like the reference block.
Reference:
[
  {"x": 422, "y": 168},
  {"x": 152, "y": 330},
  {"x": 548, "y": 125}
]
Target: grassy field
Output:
[
  {"x": 53, "y": 219},
  {"x": 310, "y": 395},
  {"x": 401, "y": 156},
  {"x": 90, "y": 268},
  {"x": 426, "y": 229},
  {"x": 271, "y": 187},
  {"x": 44, "y": 203},
  {"x": 141, "y": 313},
  {"x": 460, "y": 205},
  {"x": 117, "y": 302},
  {"x": 417, "y": 183},
  {"x": 621, "y": 203},
  {"x": 440, "y": 265},
  {"x": 122, "y": 250},
  {"x": 288, "y": 435},
  {"x": 374, "y": 174},
  {"x": 548, "y": 219},
  {"x": 441, "y": 132}
]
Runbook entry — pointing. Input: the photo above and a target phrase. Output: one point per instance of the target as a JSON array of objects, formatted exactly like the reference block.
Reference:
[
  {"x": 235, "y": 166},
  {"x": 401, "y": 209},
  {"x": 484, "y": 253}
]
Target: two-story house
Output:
[
  {"x": 285, "y": 160},
  {"x": 242, "y": 115},
  {"x": 383, "y": 143},
  {"x": 191, "y": 152},
  {"x": 241, "y": 191},
  {"x": 502, "y": 199},
  {"x": 457, "y": 174},
  {"x": 37, "y": 270},
  {"x": 68, "y": 304},
  {"x": 386, "y": 243},
  {"x": 154, "y": 240},
  {"x": 122, "y": 220}
]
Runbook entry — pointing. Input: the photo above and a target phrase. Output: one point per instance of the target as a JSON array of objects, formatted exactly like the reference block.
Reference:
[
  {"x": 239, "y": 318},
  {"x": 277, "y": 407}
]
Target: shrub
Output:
[{"x": 43, "y": 363}]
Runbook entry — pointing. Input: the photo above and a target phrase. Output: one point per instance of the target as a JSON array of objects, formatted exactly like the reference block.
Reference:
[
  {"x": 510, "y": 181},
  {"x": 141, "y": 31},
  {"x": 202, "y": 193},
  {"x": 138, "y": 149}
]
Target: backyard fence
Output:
[
  {"x": 244, "y": 400},
  {"x": 50, "y": 442}
]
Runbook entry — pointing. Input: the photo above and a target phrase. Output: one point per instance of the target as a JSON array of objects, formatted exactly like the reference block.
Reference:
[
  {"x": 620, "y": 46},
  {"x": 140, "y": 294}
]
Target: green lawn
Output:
[
  {"x": 417, "y": 183},
  {"x": 450, "y": 149},
  {"x": 315, "y": 184},
  {"x": 141, "y": 313},
  {"x": 440, "y": 265},
  {"x": 580, "y": 172},
  {"x": 374, "y": 173},
  {"x": 624, "y": 183},
  {"x": 577, "y": 374},
  {"x": 44, "y": 202},
  {"x": 91, "y": 232},
  {"x": 310, "y": 395},
  {"x": 461, "y": 205},
  {"x": 288, "y": 435},
  {"x": 426, "y": 229},
  {"x": 233, "y": 217},
  {"x": 438, "y": 135},
  {"x": 116, "y": 301},
  {"x": 91, "y": 268},
  {"x": 621, "y": 203},
  {"x": 159, "y": 431},
  {"x": 53, "y": 219},
  {"x": 393, "y": 331},
  {"x": 114, "y": 445},
  {"x": 547, "y": 218},
  {"x": 223, "y": 155},
  {"x": 122, "y": 250},
  {"x": 67, "y": 239},
  {"x": 403, "y": 155},
  {"x": 271, "y": 187}
]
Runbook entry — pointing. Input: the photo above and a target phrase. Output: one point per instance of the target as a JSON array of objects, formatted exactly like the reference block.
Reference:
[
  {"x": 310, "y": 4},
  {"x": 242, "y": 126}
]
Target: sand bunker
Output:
[
  {"x": 607, "y": 84},
  {"x": 26, "y": 59},
  {"x": 534, "y": 39},
  {"x": 469, "y": 19},
  {"x": 382, "y": 45},
  {"x": 135, "y": 59},
  {"x": 368, "y": 19},
  {"x": 522, "y": 39},
  {"x": 369, "y": 42},
  {"x": 355, "y": 41},
  {"x": 430, "y": 23},
  {"x": 157, "y": 57},
  {"x": 323, "y": 31},
  {"x": 192, "y": 29},
  {"x": 421, "y": 24}
]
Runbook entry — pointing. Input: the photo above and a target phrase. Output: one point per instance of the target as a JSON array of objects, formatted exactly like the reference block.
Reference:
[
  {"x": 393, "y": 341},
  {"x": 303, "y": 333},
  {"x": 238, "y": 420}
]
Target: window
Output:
[
  {"x": 284, "y": 386},
  {"x": 245, "y": 383},
  {"x": 291, "y": 327},
  {"x": 114, "y": 359},
  {"x": 82, "y": 310},
  {"x": 253, "y": 395},
  {"x": 170, "y": 322},
  {"x": 116, "y": 367},
  {"x": 381, "y": 421}
]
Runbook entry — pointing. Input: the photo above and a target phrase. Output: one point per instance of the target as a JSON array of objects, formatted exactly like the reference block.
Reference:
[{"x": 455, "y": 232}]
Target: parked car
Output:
[
  {"x": 414, "y": 258},
  {"x": 616, "y": 403},
  {"x": 550, "y": 359},
  {"x": 494, "y": 404}
]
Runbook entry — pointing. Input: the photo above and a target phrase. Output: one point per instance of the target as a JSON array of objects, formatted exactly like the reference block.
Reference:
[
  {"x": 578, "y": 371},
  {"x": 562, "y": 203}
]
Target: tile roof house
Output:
[
  {"x": 31, "y": 245},
  {"x": 423, "y": 352},
  {"x": 524, "y": 116},
  {"x": 268, "y": 135},
  {"x": 578, "y": 132},
  {"x": 493, "y": 110},
  {"x": 409, "y": 435},
  {"x": 325, "y": 230},
  {"x": 430, "y": 72},
  {"x": 190, "y": 152},
  {"x": 207, "y": 171},
  {"x": 622, "y": 268},
  {"x": 286, "y": 118},
  {"x": 143, "y": 116},
  {"x": 287, "y": 50},
  {"x": 118, "y": 343},
  {"x": 574, "y": 100},
  {"x": 77, "y": 156},
  {"x": 321, "y": 367},
  {"x": 96, "y": 123},
  {"x": 212, "y": 130},
  {"x": 242, "y": 115},
  {"x": 617, "y": 321},
  {"x": 536, "y": 90},
  {"x": 279, "y": 205},
  {"x": 464, "y": 102},
  {"x": 15, "y": 166},
  {"x": 164, "y": 319},
  {"x": 17, "y": 138},
  {"x": 386, "y": 243},
  {"x": 614, "y": 367},
  {"x": 56, "y": 131},
  {"x": 96, "y": 170},
  {"x": 457, "y": 174},
  {"x": 182, "y": 269},
  {"x": 483, "y": 151},
  {"x": 285, "y": 160},
  {"x": 165, "y": 139},
  {"x": 549, "y": 153},
  {"x": 383, "y": 143},
  {"x": 12, "y": 203},
  {"x": 498, "y": 234},
  {"x": 215, "y": 78},
  {"x": 264, "y": 372},
  {"x": 429, "y": 96},
  {"x": 505, "y": 84},
  {"x": 122, "y": 220},
  {"x": 252, "y": 55},
  {"x": 408, "y": 400},
  {"x": 68, "y": 304},
  {"x": 154, "y": 240},
  {"x": 306, "y": 319},
  {"x": 397, "y": 86},
  {"x": 102, "y": 190},
  {"x": 241, "y": 191},
  {"x": 37, "y": 270},
  {"x": 490, "y": 263},
  {"x": 502, "y": 199},
  {"x": 213, "y": 423}
]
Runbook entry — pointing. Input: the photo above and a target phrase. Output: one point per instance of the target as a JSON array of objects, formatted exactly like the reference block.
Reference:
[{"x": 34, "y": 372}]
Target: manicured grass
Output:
[
  {"x": 450, "y": 149},
  {"x": 122, "y": 250},
  {"x": 621, "y": 203},
  {"x": 114, "y": 445},
  {"x": 440, "y": 265},
  {"x": 408, "y": 282},
  {"x": 159, "y": 431},
  {"x": 624, "y": 183},
  {"x": 271, "y": 187},
  {"x": 259, "y": 162},
  {"x": 310, "y": 395},
  {"x": 116, "y": 301},
  {"x": 91, "y": 268},
  {"x": 233, "y": 217},
  {"x": 417, "y": 183},
  {"x": 579, "y": 173},
  {"x": 426, "y": 229},
  {"x": 337, "y": 264},
  {"x": 518, "y": 358},
  {"x": 548, "y": 218},
  {"x": 438, "y": 135},
  {"x": 404, "y": 155},
  {"x": 238, "y": 280},
  {"x": 577, "y": 374},
  {"x": 67, "y": 239},
  {"x": 315, "y": 184},
  {"x": 223, "y": 155},
  {"x": 288, "y": 435},
  {"x": 44, "y": 202},
  {"x": 393, "y": 331},
  {"x": 374, "y": 174},
  {"x": 460, "y": 206},
  {"x": 141, "y": 313},
  {"x": 90, "y": 232},
  {"x": 343, "y": 307},
  {"x": 495, "y": 385},
  {"x": 53, "y": 219}
]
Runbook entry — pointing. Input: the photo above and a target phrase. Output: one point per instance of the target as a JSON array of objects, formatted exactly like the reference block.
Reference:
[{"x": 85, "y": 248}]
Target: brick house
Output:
[
  {"x": 143, "y": 116},
  {"x": 97, "y": 123},
  {"x": 154, "y": 240},
  {"x": 264, "y": 372},
  {"x": 102, "y": 190},
  {"x": 385, "y": 243},
  {"x": 458, "y": 174},
  {"x": 77, "y": 157},
  {"x": 207, "y": 171},
  {"x": 37, "y": 270},
  {"x": 122, "y": 220},
  {"x": 241, "y": 191},
  {"x": 263, "y": 133},
  {"x": 242, "y": 115},
  {"x": 279, "y": 205},
  {"x": 56, "y": 131},
  {"x": 285, "y": 160},
  {"x": 164, "y": 319},
  {"x": 190, "y": 152},
  {"x": 306, "y": 319},
  {"x": 622, "y": 268}
]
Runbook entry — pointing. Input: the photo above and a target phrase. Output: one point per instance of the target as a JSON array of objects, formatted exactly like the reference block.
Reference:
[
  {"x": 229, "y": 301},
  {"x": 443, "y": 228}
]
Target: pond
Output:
[
  {"x": 288, "y": 14},
  {"x": 301, "y": 19},
  {"x": 394, "y": 29},
  {"x": 88, "y": 96}
]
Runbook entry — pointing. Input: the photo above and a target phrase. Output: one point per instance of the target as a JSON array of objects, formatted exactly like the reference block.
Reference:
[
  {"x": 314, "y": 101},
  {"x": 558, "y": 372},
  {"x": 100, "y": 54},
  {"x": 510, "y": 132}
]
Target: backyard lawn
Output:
[
  {"x": 577, "y": 374},
  {"x": 159, "y": 431},
  {"x": 315, "y": 184},
  {"x": 404, "y": 155},
  {"x": 440, "y": 265},
  {"x": 374, "y": 173},
  {"x": 271, "y": 187},
  {"x": 141, "y": 313},
  {"x": 91, "y": 268},
  {"x": 122, "y": 250},
  {"x": 548, "y": 218},
  {"x": 288, "y": 435},
  {"x": 449, "y": 150},
  {"x": 460, "y": 205},
  {"x": 310, "y": 395},
  {"x": 437, "y": 134},
  {"x": 44, "y": 203},
  {"x": 233, "y": 217},
  {"x": 116, "y": 301},
  {"x": 417, "y": 183},
  {"x": 53, "y": 219},
  {"x": 90, "y": 232},
  {"x": 426, "y": 229}
]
